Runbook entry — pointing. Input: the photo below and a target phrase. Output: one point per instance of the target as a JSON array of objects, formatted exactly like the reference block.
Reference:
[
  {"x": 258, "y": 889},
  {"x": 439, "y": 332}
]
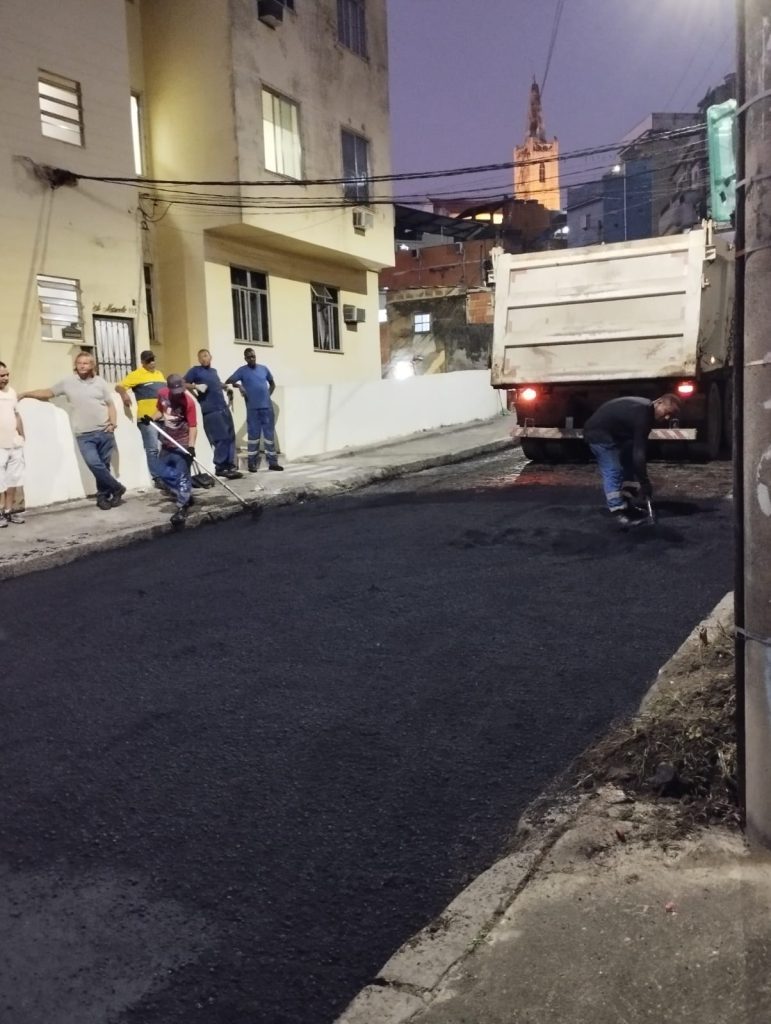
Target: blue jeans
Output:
[
  {"x": 616, "y": 466},
  {"x": 174, "y": 471},
  {"x": 221, "y": 433},
  {"x": 96, "y": 447},
  {"x": 152, "y": 443},
  {"x": 261, "y": 421}
]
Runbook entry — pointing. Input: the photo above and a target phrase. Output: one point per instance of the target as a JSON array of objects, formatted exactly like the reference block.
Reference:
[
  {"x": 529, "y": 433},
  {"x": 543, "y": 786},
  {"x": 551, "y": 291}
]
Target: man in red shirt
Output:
[{"x": 177, "y": 418}]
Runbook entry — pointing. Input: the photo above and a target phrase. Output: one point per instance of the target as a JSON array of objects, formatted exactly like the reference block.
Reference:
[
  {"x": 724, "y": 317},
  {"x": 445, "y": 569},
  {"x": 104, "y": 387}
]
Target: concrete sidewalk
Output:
[
  {"x": 606, "y": 913},
  {"x": 63, "y": 533}
]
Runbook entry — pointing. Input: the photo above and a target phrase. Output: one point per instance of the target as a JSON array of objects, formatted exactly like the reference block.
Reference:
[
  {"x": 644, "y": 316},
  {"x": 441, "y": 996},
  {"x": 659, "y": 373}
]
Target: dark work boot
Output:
[
  {"x": 179, "y": 517},
  {"x": 621, "y": 517}
]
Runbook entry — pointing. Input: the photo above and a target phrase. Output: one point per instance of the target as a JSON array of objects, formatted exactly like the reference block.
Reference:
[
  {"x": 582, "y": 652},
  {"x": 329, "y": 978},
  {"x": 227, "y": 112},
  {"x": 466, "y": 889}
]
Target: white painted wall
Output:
[
  {"x": 310, "y": 421},
  {"x": 318, "y": 419},
  {"x": 55, "y": 471}
]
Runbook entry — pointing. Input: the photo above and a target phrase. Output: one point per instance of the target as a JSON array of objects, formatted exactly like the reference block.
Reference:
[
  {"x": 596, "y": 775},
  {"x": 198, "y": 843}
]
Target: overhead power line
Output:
[
  {"x": 450, "y": 172},
  {"x": 553, "y": 41},
  {"x": 278, "y": 204}
]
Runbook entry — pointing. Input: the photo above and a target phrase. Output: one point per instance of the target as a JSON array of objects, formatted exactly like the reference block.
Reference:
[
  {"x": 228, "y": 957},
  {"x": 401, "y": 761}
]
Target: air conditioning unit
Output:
[
  {"x": 271, "y": 12},
  {"x": 354, "y": 315},
  {"x": 363, "y": 220}
]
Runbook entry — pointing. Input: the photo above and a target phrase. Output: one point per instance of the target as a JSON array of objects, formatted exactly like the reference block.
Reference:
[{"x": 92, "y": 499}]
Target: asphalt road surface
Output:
[{"x": 243, "y": 764}]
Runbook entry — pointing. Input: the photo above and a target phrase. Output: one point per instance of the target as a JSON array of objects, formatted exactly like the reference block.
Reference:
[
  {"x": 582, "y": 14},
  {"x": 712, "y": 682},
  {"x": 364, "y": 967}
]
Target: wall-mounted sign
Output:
[
  {"x": 74, "y": 331},
  {"x": 108, "y": 308}
]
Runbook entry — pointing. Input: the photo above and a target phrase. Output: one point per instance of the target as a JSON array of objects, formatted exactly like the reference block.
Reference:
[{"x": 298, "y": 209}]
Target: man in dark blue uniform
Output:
[
  {"x": 217, "y": 418},
  {"x": 256, "y": 384}
]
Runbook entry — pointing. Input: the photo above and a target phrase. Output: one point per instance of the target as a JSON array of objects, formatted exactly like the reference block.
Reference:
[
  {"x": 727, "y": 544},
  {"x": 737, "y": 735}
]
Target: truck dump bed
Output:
[{"x": 642, "y": 309}]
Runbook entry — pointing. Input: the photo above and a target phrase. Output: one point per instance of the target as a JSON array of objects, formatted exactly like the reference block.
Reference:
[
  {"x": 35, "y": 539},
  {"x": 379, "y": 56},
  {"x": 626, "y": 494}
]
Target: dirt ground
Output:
[{"x": 680, "y": 751}]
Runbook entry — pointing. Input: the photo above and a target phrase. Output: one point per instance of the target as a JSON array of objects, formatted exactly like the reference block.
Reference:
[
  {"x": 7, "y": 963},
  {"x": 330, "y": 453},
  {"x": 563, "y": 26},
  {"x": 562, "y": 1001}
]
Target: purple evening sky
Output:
[{"x": 461, "y": 70}]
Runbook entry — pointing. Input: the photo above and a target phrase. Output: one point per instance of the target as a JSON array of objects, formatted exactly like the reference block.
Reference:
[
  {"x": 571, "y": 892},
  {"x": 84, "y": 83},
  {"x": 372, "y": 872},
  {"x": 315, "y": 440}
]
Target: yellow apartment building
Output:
[{"x": 168, "y": 98}]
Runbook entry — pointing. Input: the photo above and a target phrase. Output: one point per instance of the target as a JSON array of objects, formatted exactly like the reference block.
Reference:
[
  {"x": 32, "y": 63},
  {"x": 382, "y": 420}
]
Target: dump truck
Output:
[{"x": 574, "y": 328}]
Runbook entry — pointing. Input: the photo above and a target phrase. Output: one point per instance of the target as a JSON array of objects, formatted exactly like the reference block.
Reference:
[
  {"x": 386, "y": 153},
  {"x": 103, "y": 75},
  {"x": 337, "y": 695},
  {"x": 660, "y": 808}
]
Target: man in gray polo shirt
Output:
[{"x": 93, "y": 423}]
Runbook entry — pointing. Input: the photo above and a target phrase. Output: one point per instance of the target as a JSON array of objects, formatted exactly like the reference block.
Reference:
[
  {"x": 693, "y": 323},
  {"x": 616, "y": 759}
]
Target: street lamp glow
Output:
[{"x": 404, "y": 369}]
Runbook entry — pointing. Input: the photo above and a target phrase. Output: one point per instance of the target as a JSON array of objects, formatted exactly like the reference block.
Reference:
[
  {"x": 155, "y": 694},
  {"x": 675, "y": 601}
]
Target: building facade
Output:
[
  {"x": 688, "y": 200},
  {"x": 257, "y": 97},
  {"x": 659, "y": 142},
  {"x": 437, "y": 301},
  {"x": 616, "y": 208}
]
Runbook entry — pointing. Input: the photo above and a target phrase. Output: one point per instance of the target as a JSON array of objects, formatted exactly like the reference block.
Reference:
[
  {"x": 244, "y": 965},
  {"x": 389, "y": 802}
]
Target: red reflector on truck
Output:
[
  {"x": 686, "y": 388},
  {"x": 528, "y": 394}
]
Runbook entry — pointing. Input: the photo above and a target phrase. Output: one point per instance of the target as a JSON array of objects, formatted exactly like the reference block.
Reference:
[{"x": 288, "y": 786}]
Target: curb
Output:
[
  {"x": 132, "y": 535},
  {"x": 407, "y": 984}
]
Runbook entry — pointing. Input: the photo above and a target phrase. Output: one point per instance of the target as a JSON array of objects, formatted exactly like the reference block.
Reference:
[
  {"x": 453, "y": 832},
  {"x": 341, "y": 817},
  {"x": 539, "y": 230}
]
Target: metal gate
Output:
[{"x": 114, "y": 337}]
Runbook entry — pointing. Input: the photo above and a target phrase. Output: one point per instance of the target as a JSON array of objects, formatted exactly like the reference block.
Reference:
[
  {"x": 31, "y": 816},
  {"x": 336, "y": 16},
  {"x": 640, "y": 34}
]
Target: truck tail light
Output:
[
  {"x": 527, "y": 395},
  {"x": 686, "y": 388}
]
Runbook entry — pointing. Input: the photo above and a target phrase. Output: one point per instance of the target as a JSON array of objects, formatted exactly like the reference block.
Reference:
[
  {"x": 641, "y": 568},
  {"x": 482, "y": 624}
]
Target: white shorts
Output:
[{"x": 11, "y": 468}]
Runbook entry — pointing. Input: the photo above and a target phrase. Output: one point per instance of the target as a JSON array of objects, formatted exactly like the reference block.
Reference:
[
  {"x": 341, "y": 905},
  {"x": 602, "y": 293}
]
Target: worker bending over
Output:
[{"x": 617, "y": 434}]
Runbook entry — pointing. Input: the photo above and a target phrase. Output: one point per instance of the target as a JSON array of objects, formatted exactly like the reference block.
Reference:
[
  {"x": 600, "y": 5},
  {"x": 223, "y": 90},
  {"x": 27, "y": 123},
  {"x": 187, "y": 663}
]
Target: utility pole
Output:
[{"x": 754, "y": 369}]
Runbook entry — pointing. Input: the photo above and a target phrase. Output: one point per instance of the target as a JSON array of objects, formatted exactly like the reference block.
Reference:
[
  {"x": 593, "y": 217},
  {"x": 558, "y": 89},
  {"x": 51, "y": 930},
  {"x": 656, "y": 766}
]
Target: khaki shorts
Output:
[{"x": 11, "y": 468}]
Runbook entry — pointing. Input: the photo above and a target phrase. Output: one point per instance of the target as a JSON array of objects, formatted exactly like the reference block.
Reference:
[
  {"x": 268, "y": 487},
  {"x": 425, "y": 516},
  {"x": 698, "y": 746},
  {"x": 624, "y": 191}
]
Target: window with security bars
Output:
[
  {"x": 281, "y": 135},
  {"x": 61, "y": 313},
  {"x": 249, "y": 290},
  {"x": 325, "y": 303},
  {"x": 61, "y": 109},
  {"x": 352, "y": 26},
  {"x": 355, "y": 167}
]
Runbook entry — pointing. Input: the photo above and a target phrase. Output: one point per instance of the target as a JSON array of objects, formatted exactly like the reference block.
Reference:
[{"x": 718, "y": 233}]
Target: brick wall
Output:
[{"x": 480, "y": 306}]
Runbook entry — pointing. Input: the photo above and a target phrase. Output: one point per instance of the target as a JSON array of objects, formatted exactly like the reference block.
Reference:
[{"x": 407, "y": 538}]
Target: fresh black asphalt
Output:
[{"x": 242, "y": 765}]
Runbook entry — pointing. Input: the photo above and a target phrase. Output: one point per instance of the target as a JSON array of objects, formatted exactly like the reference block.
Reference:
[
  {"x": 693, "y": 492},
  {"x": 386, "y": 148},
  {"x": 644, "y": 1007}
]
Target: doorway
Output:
[{"x": 114, "y": 343}]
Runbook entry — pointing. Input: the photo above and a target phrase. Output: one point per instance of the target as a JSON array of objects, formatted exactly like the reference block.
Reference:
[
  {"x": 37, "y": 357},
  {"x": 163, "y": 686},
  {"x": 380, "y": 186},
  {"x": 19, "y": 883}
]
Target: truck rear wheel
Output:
[
  {"x": 533, "y": 449},
  {"x": 711, "y": 436}
]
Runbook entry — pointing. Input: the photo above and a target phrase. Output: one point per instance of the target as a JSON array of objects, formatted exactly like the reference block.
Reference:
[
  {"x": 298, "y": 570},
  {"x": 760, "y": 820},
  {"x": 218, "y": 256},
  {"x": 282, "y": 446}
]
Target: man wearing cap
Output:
[
  {"x": 146, "y": 383},
  {"x": 217, "y": 417},
  {"x": 175, "y": 414}
]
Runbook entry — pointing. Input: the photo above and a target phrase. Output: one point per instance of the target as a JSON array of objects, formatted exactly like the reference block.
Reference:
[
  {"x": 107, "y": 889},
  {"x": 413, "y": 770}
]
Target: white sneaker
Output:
[{"x": 3, "y": 521}]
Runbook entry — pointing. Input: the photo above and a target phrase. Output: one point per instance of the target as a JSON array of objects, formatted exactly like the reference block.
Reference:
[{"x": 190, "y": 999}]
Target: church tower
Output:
[{"x": 536, "y": 163}]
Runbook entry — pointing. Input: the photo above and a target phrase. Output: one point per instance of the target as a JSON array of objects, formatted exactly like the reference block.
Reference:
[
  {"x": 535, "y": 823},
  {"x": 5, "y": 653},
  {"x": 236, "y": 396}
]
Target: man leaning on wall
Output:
[{"x": 93, "y": 422}]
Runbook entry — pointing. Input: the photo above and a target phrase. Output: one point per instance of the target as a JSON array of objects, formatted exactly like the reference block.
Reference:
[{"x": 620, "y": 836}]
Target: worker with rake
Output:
[{"x": 177, "y": 417}]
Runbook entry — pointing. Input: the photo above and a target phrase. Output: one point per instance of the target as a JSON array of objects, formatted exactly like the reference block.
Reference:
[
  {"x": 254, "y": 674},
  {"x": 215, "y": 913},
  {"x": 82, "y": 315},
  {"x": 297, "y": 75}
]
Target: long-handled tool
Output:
[
  {"x": 254, "y": 510},
  {"x": 649, "y": 519}
]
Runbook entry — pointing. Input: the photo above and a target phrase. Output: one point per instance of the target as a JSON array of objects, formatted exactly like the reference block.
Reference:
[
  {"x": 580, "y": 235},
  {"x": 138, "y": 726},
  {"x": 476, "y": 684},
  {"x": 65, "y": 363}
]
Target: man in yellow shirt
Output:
[{"x": 146, "y": 383}]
